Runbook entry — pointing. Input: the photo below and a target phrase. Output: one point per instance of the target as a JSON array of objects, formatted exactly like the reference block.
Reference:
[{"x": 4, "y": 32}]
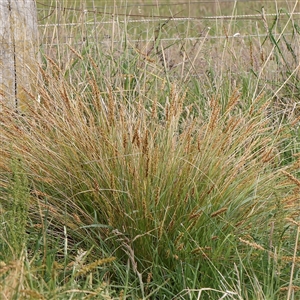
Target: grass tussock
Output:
[{"x": 128, "y": 181}]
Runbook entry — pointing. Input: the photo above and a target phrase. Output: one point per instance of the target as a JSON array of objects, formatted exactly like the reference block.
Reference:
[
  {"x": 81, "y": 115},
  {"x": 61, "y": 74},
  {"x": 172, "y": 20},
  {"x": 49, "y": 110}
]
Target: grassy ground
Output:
[{"x": 154, "y": 166}]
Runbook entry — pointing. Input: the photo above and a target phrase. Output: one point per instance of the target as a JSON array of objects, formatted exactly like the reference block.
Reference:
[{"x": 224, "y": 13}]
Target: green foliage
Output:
[
  {"x": 135, "y": 177},
  {"x": 15, "y": 211}
]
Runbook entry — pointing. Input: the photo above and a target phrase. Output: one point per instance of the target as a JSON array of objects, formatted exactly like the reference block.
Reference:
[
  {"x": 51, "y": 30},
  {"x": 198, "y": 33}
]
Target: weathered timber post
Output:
[{"x": 18, "y": 52}]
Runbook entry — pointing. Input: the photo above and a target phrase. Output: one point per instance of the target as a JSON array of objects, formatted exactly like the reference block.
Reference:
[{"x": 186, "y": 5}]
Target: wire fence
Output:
[
  {"x": 249, "y": 30},
  {"x": 100, "y": 16}
]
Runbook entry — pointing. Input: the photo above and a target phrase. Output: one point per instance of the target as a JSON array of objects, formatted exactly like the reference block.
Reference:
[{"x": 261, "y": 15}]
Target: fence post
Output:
[{"x": 18, "y": 52}]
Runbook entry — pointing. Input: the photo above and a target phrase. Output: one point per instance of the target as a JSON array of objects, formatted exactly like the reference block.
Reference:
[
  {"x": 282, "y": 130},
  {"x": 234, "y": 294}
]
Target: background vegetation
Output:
[{"x": 155, "y": 166}]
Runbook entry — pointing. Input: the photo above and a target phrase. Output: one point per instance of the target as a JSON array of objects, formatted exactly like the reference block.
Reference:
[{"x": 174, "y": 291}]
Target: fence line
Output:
[
  {"x": 234, "y": 36},
  {"x": 144, "y": 21},
  {"x": 237, "y": 35},
  {"x": 230, "y": 17},
  {"x": 155, "y": 18},
  {"x": 176, "y": 46},
  {"x": 129, "y": 4}
]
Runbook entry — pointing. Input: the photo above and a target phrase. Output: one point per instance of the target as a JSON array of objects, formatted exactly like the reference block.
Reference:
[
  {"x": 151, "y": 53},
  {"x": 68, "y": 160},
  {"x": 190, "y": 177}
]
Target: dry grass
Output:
[{"x": 166, "y": 182}]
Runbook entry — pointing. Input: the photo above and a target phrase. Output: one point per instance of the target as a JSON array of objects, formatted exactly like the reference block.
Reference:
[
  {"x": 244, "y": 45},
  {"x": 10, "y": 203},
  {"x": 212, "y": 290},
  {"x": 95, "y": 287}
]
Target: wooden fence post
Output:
[{"x": 18, "y": 52}]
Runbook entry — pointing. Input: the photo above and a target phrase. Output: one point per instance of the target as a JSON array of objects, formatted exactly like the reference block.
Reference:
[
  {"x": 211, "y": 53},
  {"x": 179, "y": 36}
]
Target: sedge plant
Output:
[{"x": 139, "y": 183}]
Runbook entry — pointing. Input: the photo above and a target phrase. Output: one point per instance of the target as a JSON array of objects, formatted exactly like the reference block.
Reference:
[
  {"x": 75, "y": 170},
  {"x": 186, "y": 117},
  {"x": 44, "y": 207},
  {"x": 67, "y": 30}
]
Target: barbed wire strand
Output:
[
  {"x": 234, "y": 36},
  {"x": 135, "y": 4},
  {"x": 163, "y": 18}
]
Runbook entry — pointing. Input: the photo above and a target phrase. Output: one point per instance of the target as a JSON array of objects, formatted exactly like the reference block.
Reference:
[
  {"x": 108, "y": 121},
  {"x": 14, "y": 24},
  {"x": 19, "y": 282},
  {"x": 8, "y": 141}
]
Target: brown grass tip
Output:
[
  {"x": 252, "y": 244},
  {"x": 218, "y": 212},
  {"x": 291, "y": 177},
  {"x": 294, "y": 287},
  {"x": 95, "y": 264},
  {"x": 292, "y": 221}
]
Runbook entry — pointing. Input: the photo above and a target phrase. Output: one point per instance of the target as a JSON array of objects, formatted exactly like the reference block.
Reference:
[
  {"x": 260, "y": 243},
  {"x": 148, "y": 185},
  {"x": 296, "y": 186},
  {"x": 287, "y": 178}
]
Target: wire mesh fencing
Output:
[{"x": 194, "y": 38}]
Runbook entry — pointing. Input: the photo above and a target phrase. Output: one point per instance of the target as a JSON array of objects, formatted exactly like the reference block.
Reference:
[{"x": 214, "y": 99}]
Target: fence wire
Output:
[{"x": 192, "y": 38}]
